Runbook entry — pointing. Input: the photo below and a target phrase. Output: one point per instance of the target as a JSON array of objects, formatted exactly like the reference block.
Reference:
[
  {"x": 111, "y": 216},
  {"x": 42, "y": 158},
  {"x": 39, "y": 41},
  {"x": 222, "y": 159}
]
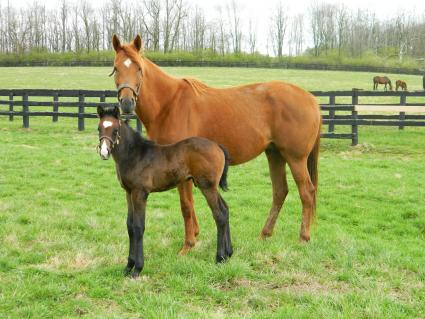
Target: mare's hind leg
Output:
[
  {"x": 191, "y": 227},
  {"x": 306, "y": 191},
  {"x": 280, "y": 188},
  {"x": 220, "y": 213}
]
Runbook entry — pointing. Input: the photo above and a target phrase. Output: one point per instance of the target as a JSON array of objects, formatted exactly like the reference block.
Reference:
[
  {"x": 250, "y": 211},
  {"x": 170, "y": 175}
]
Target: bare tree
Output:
[
  {"x": 235, "y": 32},
  {"x": 296, "y": 36},
  {"x": 342, "y": 26},
  {"x": 151, "y": 20},
  {"x": 64, "y": 20},
  {"x": 279, "y": 23},
  {"x": 252, "y": 38}
]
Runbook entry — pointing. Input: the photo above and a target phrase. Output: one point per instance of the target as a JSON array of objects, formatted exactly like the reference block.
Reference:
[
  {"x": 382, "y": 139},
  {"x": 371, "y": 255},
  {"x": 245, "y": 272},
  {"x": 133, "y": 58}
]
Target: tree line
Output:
[{"x": 178, "y": 25}]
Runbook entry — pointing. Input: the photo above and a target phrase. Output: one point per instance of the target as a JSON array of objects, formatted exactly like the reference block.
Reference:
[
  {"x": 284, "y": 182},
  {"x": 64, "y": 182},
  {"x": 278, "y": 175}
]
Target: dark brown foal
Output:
[{"x": 144, "y": 167}]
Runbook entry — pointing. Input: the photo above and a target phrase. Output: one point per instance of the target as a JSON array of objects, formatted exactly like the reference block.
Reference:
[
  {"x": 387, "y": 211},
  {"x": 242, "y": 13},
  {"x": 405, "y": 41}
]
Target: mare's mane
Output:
[{"x": 197, "y": 86}]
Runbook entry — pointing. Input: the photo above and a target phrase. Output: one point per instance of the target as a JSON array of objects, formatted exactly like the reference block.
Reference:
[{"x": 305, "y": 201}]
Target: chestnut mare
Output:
[
  {"x": 400, "y": 84},
  {"x": 382, "y": 80},
  {"x": 277, "y": 118}
]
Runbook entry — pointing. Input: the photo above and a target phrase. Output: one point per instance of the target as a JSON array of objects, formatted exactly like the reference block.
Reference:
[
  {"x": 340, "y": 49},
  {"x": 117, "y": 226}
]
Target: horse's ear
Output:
[
  {"x": 116, "y": 42},
  {"x": 116, "y": 111},
  {"x": 100, "y": 110},
  {"x": 137, "y": 42}
]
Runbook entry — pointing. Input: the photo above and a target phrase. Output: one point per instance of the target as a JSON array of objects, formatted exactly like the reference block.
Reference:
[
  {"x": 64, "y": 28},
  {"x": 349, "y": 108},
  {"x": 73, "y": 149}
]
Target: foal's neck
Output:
[{"x": 131, "y": 146}]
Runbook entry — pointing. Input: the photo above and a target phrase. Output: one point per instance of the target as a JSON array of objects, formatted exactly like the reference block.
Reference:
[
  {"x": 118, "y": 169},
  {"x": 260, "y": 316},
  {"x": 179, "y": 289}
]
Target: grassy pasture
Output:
[{"x": 64, "y": 243}]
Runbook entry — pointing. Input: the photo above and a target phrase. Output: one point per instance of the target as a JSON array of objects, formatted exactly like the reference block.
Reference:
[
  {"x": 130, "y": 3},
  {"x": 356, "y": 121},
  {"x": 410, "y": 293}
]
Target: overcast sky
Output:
[{"x": 260, "y": 11}]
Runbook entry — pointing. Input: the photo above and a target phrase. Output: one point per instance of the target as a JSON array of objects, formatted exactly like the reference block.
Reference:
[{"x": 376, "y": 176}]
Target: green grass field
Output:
[{"x": 64, "y": 241}]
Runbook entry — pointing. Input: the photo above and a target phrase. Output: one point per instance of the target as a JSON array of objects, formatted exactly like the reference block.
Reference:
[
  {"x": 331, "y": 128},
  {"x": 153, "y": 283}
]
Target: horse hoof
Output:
[
  {"x": 186, "y": 248},
  {"x": 219, "y": 259},
  {"x": 304, "y": 239},
  {"x": 135, "y": 273},
  {"x": 265, "y": 235},
  {"x": 127, "y": 271}
]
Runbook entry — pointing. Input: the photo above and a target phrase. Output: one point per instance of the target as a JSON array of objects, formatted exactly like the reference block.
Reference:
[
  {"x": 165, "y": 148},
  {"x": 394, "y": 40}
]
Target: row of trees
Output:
[{"x": 176, "y": 25}]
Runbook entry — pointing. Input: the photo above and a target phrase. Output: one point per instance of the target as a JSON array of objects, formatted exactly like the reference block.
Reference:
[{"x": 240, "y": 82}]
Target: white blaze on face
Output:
[
  {"x": 107, "y": 124},
  {"x": 127, "y": 63},
  {"x": 104, "y": 149}
]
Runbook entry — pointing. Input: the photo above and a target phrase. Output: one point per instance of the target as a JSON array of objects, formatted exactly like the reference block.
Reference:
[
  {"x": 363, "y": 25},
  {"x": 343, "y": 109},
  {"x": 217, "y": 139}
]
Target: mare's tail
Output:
[
  {"x": 223, "y": 179},
  {"x": 312, "y": 166}
]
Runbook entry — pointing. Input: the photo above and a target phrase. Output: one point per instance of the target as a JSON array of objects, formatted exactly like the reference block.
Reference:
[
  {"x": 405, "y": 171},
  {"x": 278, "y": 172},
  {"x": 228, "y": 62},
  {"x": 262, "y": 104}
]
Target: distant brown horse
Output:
[
  {"x": 277, "y": 118},
  {"x": 400, "y": 84},
  {"x": 382, "y": 80}
]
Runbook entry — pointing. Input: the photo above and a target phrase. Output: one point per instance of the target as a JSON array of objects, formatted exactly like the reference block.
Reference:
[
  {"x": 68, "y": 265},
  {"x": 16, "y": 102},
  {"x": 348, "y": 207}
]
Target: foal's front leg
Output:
[
  {"x": 131, "y": 261},
  {"x": 138, "y": 199}
]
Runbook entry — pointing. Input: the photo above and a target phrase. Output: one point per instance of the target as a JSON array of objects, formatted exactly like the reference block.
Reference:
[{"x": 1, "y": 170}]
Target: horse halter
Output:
[
  {"x": 128, "y": 86},
  {"x": 113, "y": 143},
  {"x": 135, "y": 91}
]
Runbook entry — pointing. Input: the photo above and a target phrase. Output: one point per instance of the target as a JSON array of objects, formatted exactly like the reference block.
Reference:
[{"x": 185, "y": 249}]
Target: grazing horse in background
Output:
[
  {"x": 400, "y": 84},
  {"x": 382, "y": 80},
  {"x": 277, "y": 118},
  {"x": 144, "y": 167}
]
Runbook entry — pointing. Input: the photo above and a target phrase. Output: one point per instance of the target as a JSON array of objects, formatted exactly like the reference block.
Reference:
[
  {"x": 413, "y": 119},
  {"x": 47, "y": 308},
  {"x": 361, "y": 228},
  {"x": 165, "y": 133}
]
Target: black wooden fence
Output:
[{"x": 57, "y": 103}]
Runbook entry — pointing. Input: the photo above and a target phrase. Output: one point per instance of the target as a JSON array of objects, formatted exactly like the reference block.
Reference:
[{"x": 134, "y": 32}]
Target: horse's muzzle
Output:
[
  {"x": 127, "y": 105},
  {"x": 104, "y": 151}
]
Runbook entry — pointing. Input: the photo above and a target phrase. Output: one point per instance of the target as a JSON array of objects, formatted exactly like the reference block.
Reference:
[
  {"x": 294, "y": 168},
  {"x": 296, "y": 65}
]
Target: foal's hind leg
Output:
[
  {"x": 221, "y": 216},
  {"x": 191, "y": 226},
  {"x": 307, "y": 193},
  {"x": 280, "y": 188}
]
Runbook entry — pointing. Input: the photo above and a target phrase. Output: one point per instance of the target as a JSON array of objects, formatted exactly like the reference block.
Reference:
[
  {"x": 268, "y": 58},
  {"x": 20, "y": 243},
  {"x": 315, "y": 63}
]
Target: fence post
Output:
[
  {"x": 25, "y": 116},
  {"x": 354, "y": 126},
  {"x": 55, "y": 107},
  {"x": 11, "y": 106},
  {"x": 402, "y": 115},
  {"x": 331, "y": 126},
  {"x": 80, "y": 112},
  {"x": 102, "y": 99}
]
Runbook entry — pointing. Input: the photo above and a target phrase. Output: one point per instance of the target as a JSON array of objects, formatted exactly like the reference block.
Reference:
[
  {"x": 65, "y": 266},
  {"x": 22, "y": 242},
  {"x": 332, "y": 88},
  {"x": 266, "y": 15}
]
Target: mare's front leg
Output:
[
  {"x": 138, "y": 199},
  {"x": 131, "y": 251},
  {"x": 191, "y": 227}
]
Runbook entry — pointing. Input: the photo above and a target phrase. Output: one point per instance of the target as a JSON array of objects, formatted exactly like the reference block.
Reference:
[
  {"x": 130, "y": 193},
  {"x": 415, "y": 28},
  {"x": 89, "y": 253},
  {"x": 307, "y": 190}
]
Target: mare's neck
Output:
[{"x": 157, "y": 91}]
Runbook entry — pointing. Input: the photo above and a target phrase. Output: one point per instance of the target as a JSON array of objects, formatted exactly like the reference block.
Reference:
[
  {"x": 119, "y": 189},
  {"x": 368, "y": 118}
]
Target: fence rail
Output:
[{"x": 85, "y": 102}]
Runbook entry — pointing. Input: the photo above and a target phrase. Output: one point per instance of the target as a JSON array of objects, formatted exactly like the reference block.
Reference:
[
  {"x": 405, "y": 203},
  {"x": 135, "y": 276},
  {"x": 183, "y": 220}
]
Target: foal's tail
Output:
[
  {"x": 223, "y": 179},
  {"x": 312, "y": 166}
]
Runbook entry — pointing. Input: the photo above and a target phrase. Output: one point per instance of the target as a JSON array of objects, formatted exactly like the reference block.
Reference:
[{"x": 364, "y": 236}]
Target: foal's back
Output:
[{"x": 165, "y": 166}]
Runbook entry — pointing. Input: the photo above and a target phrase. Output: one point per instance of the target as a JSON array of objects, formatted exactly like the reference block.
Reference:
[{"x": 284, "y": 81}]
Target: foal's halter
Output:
[{"x": 113, "y": 142}]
